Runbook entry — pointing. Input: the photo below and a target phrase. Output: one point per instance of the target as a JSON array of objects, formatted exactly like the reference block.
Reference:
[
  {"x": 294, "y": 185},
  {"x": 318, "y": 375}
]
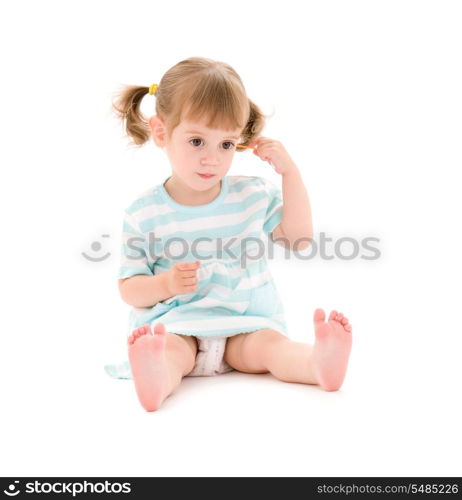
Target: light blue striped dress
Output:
[{"x": 235, "y": 291}]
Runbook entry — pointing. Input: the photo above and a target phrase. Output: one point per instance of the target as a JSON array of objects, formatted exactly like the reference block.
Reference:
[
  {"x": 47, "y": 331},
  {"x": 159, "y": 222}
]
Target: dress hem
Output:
[{"x": 228, "y": 334}]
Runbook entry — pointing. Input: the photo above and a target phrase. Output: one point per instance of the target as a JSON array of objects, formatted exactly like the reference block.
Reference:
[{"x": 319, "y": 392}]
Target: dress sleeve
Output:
[
  {"x": 274, "y": 207},
  {"x": 133, "y": 257}
]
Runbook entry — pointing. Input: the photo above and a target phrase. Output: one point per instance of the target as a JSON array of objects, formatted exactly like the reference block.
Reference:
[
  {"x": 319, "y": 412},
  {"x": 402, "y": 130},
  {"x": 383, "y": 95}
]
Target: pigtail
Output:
[
  {"x": 127, "y": 107},
  {"x": 253, "y": 127}
]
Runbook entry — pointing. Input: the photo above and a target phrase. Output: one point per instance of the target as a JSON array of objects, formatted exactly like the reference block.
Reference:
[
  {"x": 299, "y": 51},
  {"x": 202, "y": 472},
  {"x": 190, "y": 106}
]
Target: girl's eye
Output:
[
  {"x": 196, "y": 140},
  {"x": 197, "y": 144}
]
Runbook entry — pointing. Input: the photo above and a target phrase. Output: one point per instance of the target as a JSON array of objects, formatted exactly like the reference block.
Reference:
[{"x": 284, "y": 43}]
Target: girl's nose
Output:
[{"x": 209, "y": 160}]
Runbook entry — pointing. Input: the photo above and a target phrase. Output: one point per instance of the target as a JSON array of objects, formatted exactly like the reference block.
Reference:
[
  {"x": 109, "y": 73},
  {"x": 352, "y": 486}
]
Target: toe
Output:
[
  {"x": 339, "y": 317},
  {"x": 319, "y": 315},
  {"x": 332, "y": 315},
  {"x": 344, "y": 321},
  {"x": 159, "y": 329},
  {"x": 347, "y": 328},
  {"x": 131, "y": 339},
  {"x": 142, "y": 330}
]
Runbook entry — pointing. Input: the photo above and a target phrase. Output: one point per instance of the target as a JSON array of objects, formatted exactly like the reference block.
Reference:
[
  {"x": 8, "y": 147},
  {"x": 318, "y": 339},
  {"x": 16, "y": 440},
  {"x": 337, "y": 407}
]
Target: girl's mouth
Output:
[{"x": 206, "y": 176}]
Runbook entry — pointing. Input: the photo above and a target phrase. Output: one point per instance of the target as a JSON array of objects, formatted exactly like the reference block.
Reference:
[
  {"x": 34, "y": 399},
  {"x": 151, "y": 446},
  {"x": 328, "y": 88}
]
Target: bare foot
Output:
[
  {"x": 331, "y": 349},
  {"x": 146, "y": 353}
]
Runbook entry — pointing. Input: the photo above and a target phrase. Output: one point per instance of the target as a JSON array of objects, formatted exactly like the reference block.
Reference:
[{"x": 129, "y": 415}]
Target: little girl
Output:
[{"x": 200, "y": 307}]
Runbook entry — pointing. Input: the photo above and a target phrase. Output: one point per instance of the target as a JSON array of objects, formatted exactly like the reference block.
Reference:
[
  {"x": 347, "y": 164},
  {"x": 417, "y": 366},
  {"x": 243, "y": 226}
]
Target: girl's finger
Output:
[
  {"x": 186, "y": 266},
  {"x": 187, "y": 274},
  {"x": 189, "y": 282},
  {"x": 259, "y": 151},
  {"x": 261, "y": 145}
]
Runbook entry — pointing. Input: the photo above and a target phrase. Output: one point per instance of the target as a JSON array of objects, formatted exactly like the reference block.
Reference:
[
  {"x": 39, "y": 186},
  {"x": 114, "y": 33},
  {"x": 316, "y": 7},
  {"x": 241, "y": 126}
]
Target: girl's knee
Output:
[
  {"x": 266, "y": 337},
  {"x": 246, "y": 351}
]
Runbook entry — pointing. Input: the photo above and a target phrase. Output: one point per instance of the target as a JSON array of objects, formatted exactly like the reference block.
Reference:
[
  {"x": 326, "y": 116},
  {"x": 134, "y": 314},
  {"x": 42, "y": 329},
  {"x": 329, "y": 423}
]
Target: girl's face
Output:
[{"x": 195, "y": 149}]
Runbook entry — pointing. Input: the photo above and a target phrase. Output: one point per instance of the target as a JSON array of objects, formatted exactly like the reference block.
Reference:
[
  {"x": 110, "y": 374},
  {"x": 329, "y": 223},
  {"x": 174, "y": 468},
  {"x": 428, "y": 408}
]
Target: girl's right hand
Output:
[{"x": 181, "y": 278}]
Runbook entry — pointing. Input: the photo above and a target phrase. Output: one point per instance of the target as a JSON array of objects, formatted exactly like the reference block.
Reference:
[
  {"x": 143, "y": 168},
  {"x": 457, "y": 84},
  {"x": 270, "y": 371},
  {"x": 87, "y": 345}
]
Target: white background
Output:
[{"x": 366, "y": 98}]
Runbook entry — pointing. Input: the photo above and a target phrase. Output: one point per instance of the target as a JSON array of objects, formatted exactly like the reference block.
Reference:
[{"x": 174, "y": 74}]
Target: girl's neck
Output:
[{"x": 184, "y": 195}]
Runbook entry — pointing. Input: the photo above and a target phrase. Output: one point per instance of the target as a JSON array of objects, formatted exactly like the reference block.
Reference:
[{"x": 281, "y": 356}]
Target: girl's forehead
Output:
[{"x": 201, "y": 127}]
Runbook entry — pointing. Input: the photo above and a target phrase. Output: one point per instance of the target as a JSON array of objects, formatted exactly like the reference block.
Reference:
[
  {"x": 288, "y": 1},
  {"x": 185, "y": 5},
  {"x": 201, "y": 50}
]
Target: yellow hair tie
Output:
[{"x": 153, "y": 89}]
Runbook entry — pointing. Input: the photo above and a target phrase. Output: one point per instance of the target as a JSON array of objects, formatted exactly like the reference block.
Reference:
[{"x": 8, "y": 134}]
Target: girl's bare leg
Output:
[
  {"x": 158, "y": 362},
  {"x": 267, "y": 350}
]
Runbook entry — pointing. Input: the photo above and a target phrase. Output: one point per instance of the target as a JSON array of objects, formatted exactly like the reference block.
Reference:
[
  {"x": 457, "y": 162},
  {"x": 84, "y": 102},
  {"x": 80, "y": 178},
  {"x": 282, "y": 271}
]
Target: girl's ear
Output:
[{"x": 158, "y": 131}]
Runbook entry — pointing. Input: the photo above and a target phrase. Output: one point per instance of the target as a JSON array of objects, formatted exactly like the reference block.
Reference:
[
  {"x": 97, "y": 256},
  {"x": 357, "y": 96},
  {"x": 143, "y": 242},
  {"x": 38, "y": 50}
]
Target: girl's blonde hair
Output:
[{"x": 194, "y": 88}]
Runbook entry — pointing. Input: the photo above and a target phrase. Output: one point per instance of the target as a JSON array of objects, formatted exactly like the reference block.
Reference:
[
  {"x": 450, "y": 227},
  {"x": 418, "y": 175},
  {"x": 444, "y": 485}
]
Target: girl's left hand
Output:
[{"x": 273, "y": 152}]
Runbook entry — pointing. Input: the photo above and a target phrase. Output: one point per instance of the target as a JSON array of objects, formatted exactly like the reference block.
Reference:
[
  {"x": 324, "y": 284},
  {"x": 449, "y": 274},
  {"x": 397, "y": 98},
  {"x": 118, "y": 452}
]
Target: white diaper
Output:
[{"x": 209, "y": 357}]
